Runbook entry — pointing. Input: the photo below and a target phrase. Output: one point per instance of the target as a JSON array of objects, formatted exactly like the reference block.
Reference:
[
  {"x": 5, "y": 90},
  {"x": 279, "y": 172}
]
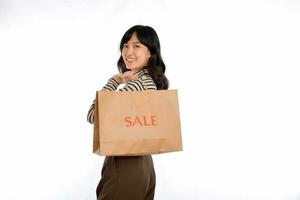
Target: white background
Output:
[{"x": 235, "y": 64}]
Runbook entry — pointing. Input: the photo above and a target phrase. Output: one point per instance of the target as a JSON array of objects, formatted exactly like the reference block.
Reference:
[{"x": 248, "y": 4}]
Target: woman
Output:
[{"x": 141, "y": 68}]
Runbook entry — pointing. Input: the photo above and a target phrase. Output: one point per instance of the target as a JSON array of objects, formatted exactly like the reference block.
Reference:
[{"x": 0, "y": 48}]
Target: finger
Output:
[
  {"x": 127, "y": 73},
  {"x": 124, "y": 79}
]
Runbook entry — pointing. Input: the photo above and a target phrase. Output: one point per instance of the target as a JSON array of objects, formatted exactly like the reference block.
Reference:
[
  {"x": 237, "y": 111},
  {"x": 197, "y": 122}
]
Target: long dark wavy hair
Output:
[{"x": 155, "y": 66}]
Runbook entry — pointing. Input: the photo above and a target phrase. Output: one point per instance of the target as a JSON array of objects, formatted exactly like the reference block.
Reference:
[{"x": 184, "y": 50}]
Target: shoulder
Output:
[{"x": 147, "y": 82}]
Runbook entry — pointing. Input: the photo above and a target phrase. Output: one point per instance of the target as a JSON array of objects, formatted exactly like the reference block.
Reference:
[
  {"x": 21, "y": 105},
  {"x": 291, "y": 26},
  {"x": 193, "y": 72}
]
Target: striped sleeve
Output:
[
  {"x": 134, "y": 85},
  {"x": 143, "y": 83},
  {"x": 111, "y": 85},
  {"x": 148, "y": 83},
  {"x": 90, "y": 115}
]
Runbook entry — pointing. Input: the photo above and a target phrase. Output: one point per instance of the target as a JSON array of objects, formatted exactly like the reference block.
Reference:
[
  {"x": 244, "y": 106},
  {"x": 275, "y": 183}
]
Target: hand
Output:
[
  {"x": 118, "y": 78},
  {"x": 125, "y": 77}
]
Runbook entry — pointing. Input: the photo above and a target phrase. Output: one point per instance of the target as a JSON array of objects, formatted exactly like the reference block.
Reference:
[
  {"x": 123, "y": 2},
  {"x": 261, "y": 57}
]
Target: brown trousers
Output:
[{"x": 127, "y": 178}]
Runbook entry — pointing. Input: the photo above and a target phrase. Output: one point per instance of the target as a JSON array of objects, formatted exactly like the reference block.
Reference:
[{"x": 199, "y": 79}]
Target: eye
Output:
[
  {"x": 125, "y": 45},
  {"x": 137, "y": 46}
]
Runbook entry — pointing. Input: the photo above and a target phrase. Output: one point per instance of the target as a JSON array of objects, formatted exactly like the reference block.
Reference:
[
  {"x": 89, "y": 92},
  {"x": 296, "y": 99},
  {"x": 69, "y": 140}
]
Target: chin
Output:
[{"x": 131, "y": 67}]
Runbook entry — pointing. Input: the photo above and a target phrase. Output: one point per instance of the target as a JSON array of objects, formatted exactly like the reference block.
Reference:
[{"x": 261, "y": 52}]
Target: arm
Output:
[
  {"x": 111, "y": 85},
  {"x": 133, "y": 84}
]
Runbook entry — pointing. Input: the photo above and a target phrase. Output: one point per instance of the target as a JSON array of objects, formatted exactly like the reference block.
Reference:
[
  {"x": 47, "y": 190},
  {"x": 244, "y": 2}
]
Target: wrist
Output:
[{"x": 117, "y": 79}]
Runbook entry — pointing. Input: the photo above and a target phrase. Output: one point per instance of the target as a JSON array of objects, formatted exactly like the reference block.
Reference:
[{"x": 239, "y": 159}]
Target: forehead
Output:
[{"x": 133, "y": 39}]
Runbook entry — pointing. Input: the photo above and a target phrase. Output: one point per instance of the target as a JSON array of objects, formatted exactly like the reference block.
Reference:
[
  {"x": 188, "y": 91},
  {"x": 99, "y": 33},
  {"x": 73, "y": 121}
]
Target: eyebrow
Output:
[{"x": 134, "y": 43}]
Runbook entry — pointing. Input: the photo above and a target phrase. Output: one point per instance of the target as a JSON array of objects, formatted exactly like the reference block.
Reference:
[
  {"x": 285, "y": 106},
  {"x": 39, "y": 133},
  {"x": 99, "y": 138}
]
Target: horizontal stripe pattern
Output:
[{"x": 144, "y": 82}]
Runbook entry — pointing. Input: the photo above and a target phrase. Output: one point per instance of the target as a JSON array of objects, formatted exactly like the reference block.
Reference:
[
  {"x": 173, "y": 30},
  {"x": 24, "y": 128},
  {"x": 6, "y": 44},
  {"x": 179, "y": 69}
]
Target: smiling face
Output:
[{"x": 135, "y": 55}]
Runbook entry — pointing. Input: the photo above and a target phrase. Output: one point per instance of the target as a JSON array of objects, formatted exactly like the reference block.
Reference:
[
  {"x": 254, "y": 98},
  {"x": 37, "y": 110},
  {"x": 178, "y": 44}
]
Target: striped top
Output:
[{"x": 143, "y": 82}]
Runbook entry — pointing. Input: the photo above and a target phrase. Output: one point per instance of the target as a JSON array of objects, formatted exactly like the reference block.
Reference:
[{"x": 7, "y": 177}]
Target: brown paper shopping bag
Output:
[{"x": 136, "y": 123}]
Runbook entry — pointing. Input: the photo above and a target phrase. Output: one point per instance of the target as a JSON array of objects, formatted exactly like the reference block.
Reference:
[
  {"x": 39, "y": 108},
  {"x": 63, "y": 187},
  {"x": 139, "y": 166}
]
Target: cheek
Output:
[
  {"x": 144, "y": 61},
  {"x": 146, "y": 58},
  {"x": 123, "y": 56},
  {"x": 123, "y": 53}
]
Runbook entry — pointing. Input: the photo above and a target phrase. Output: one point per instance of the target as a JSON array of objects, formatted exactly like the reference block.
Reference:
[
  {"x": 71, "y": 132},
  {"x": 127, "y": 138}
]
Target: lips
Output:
[{"x": 130, "y": 59}]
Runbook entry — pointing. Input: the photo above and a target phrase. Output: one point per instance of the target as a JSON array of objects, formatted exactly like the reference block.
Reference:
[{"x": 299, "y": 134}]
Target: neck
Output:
[{"x": 136, "y": 70}]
